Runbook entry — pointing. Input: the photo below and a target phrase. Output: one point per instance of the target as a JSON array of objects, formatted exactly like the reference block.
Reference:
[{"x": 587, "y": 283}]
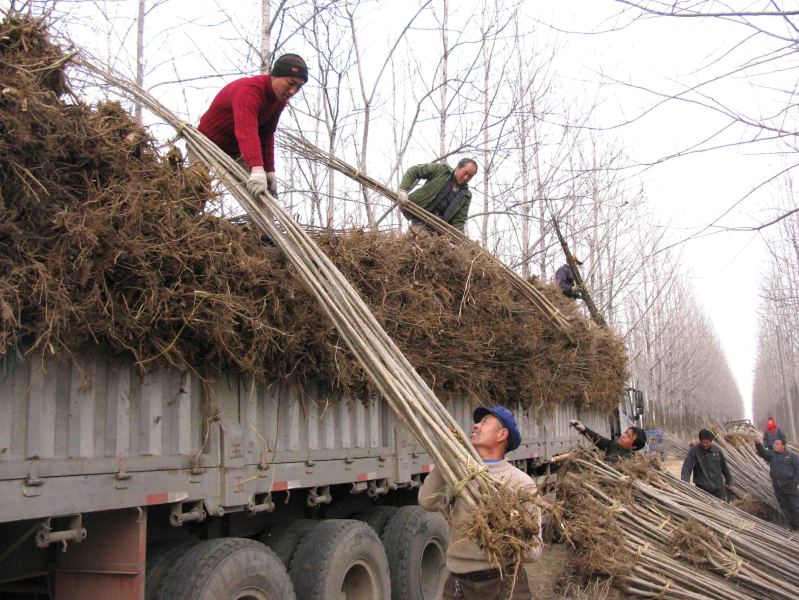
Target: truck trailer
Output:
[{"x": 121, "y": 484}]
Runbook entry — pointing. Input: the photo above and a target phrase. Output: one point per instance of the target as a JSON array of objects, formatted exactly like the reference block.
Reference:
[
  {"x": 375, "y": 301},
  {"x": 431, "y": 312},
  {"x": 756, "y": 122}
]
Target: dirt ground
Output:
[
  {"x": 549, "y": 579},
  {"x": 673, "y": 466}
]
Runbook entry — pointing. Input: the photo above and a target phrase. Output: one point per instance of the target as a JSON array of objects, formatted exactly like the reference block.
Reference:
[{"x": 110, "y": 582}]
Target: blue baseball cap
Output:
[{"x": 508, "y": 422}]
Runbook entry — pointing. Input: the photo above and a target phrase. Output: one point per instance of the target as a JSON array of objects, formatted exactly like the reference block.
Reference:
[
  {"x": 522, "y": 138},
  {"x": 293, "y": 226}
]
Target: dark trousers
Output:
[
  {"x": 788, "y": 497},
  {"x": 495, "y": 588},
  {"x": 720, "y": 493}
]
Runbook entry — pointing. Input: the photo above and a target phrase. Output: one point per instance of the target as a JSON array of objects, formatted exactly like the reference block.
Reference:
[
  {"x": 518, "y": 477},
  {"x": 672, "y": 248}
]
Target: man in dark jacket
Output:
[
  {"x": 445, "y": 193},
  {"x": 628, "y": 442},
  {"x": 771, "y": 433},
  {"x": 709, "y": 467},
  {"x": 784, "y": 471},
  {"x": 564, "y": 277}
]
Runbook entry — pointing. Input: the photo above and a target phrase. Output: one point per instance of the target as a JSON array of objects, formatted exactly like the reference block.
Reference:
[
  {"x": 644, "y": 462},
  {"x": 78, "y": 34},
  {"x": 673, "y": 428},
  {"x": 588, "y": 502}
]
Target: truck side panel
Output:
[{"x": 93, "y": 434}]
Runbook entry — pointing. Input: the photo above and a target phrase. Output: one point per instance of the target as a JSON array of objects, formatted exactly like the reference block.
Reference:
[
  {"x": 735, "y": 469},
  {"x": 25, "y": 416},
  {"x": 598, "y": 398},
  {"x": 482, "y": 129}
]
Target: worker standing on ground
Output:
[
  {"x": 771, "y": 433},
  {"x": 565, "y": 280},
  {"x": 632, "y": 440},
  {"x": 445, "y": 194},
  {"x": 784, "y": 471},
  {"x": 494, "y": 433},
  {"x": 709, "y": 467},
  {"x": 243, "y": 117}
]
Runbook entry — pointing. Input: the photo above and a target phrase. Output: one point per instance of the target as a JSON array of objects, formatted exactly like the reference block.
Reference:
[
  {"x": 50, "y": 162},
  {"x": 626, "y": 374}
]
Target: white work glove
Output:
[
  {"x": 257, "y": 183},
  {"x": 271, "y": 183},
  {"x": 402, "y": 197},
  {"x": 577, "y": 425}
]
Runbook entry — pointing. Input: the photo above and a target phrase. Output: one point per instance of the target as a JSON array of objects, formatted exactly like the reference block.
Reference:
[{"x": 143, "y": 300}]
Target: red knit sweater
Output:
[{"x": 242, "y": 120}]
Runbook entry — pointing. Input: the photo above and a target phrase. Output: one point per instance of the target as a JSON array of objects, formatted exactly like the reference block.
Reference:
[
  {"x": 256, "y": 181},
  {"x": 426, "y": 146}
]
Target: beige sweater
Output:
[{"x": 463, "y": 555}]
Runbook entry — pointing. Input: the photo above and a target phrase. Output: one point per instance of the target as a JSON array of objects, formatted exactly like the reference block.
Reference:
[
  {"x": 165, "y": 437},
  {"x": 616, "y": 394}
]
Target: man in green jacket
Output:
[{"x": 445, "y": 193}]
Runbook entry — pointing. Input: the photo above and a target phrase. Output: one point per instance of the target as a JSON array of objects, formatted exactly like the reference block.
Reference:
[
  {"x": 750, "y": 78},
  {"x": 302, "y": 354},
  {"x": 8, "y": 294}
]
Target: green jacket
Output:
[{"x": 437, "y": 175}]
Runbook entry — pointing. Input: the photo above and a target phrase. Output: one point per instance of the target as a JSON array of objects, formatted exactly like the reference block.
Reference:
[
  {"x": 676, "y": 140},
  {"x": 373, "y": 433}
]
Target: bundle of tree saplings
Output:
[
  {"x": 106, "y": 239},
  {"x": 751, "y": 483},
  {"x": 412, "y": 401},
  {"x": 659, "y": 537},
  {"x": 302, "y": 147}
]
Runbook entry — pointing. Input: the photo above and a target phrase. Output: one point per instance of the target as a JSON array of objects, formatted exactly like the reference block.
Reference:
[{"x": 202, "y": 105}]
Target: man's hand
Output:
[
  {"x": 257, "y": 182},
  {"x": 402, "y": 197},
  {"x": 271, "y": 183},
  {"x": 577, "y": 425},
  {"x": 577, "y": 290}
]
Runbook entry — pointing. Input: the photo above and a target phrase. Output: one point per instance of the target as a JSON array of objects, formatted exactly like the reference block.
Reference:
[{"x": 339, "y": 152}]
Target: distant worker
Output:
[
  {"x": 564, "y": 277},
  {"x": 708, "y": 466},
  {"x": 445, "y": 193},
  {"x": 784, "y": 471},
  {"x": 494, "y": 433},
  {"x": 771, "y": 433},
  {"x": 632, "y": 440},
  {"x": 243, "y": 117}
]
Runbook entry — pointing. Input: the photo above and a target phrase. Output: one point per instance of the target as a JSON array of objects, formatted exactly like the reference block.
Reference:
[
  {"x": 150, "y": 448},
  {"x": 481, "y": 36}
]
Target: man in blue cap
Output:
[{"x": 494, "y": 434}]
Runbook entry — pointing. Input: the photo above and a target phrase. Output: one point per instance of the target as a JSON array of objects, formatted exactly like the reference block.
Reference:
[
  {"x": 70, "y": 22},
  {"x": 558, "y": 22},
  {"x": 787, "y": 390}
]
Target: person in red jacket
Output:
[{"x": 243, "y": 117}]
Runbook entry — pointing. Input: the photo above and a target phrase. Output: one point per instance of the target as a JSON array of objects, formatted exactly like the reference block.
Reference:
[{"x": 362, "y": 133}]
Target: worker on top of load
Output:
[
  {"x": 564, "y": 277},
  {"x": 709, "y": 467},
  {"x": 445, "y": 193},
  {"x": 784, "y": 472},
  {"x": 771, "y": 433},
  {"x": 243, "y": 117},
  {"x": 632, "y": 440},
  {"x": 494, "y": 434}
]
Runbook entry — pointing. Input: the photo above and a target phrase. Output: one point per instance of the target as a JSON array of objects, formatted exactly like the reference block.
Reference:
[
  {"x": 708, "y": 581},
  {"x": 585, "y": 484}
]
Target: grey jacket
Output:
[
  {"x": 709, "y": 468},
  {"x": 783, "y": 466}
]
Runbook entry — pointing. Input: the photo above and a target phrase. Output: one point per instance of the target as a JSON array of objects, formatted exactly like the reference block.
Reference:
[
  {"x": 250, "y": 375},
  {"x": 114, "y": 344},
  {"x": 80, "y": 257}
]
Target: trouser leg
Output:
[{"x": 788, "y": 498}]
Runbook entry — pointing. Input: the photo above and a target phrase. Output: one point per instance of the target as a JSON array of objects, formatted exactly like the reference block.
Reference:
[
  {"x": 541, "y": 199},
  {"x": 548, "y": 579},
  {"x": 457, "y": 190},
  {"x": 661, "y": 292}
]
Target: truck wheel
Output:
[
  {"x": 160, "y": 558},
  {"x": 341, "y": 559},
  {"x": 376, "y": 517},
  {"x": 228, "y": 569},
  {"x": 284, "y": 537},
  {"x": 416, "y": 548}
]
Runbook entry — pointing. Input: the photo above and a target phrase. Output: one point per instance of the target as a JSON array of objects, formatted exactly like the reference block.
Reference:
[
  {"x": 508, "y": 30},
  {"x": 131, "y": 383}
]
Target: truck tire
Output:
[
  {"x": 341, "y": 559},
  {"x": 228, "y": 569},
  {"x": 284, "y": 537},
  {"x": 160, "y": 558},
  {"x": 376, "y": 517},
  {"x": 416, "y": 549}
]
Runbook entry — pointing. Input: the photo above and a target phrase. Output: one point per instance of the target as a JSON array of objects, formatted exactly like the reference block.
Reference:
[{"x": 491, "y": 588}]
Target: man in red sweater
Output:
[{"x": 243, "y": 117}]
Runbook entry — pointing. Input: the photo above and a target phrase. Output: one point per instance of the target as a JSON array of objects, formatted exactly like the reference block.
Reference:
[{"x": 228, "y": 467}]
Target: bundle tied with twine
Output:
[
  {"x": 397, "y": 381},
  {"x": 657, "y": 536},
  {"x": 303, "y": 147}
]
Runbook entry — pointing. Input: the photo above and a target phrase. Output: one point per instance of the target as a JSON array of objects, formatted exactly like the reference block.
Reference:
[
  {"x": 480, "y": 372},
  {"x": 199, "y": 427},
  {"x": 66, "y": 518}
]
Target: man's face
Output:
[
  {"x": 706, "y": 444},
  {"x": 488, "y": 432},
  {"x": 627, "y": 439},
  {"x": 779, "y": 446},
  {"x": 464, "y": 174},
  {"x": 286, "y": 87}
]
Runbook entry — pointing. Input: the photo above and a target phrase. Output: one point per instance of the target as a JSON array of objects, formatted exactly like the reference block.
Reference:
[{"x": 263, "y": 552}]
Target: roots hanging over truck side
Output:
[{"x": 106, "y": 238}]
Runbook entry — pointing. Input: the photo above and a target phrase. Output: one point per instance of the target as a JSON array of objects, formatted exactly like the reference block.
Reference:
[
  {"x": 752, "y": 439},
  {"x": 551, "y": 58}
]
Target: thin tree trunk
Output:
[
  {"x": 266, "y": 38},
  {"x": 137, "y": 106},
  {"x": 442, "y": 119}
]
